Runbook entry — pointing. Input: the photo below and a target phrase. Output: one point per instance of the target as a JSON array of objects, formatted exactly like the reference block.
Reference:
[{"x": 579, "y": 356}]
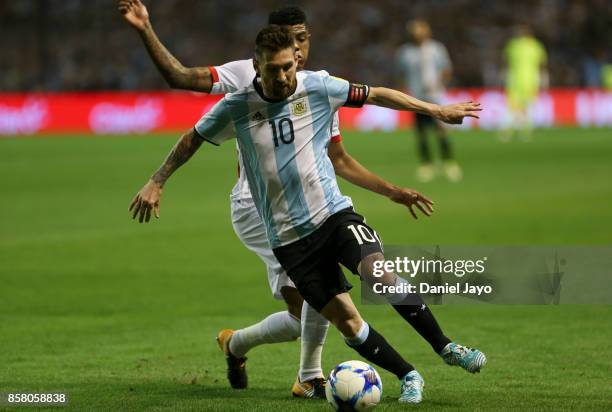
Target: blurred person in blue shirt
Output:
[{"x": 425, "y": 69}]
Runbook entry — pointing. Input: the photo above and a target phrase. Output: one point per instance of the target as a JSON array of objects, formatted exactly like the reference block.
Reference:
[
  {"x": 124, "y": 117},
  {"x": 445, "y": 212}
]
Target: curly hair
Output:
[{"x": 287, "y": 16}]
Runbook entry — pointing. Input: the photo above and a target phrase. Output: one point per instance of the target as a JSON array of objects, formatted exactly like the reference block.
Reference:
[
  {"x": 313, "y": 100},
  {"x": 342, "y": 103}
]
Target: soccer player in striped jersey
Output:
[
  {"x": 282, "y": 125},
  {"x": 426, "y": 68},
  {"x": 298, "y": 320}
]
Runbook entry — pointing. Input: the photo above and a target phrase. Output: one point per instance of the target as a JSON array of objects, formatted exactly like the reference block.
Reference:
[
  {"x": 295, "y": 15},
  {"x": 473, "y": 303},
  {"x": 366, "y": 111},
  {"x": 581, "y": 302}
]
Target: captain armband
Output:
[{"x": 357, "y": 95}]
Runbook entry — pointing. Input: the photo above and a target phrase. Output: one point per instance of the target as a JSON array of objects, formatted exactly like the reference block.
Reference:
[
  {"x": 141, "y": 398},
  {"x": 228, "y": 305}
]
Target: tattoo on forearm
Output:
[
  {"x": 177, "y": 75},
  {"x": 179, "y": 155},
  {"x": 167, "y": 64}
]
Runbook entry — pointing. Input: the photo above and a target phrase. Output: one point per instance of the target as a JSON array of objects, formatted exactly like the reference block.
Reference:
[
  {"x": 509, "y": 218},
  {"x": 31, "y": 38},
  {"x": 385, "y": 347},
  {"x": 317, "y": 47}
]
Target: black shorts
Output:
[{"x": 313, "y": 262}]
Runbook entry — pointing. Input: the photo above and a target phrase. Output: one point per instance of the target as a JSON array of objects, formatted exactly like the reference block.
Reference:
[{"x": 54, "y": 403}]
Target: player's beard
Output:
[{"x": 282, "y": 91}]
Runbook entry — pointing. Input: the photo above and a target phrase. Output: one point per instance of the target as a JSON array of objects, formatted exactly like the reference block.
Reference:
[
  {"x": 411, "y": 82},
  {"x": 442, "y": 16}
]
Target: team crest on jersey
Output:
[{"x": 299, "y": 108}]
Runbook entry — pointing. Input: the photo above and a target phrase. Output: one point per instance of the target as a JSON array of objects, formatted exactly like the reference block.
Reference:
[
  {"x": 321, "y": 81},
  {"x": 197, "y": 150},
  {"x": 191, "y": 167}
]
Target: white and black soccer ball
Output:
[{"x": 353, "y": 386}]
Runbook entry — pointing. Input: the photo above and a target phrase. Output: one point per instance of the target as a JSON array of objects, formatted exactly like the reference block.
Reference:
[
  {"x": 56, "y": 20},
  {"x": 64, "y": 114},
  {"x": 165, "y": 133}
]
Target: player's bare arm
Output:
[
  {"x": 347, "y": 167},
  {"x": 177, "y": 75},
  {"x": 148, "y": 199},
  {"x": 396, "y": 100}
]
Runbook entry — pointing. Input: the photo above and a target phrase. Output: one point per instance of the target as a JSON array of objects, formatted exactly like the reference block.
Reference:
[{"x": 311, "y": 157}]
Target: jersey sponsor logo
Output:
[{"x": 299, "y": 108}]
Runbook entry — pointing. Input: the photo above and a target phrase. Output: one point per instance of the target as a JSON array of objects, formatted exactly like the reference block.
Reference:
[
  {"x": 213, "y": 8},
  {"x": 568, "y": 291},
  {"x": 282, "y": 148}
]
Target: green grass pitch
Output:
[{"x": 122, "y": 316}]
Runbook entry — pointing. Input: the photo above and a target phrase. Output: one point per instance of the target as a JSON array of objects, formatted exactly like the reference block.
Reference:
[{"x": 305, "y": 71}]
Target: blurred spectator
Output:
[{"x": 84, "y": 45}]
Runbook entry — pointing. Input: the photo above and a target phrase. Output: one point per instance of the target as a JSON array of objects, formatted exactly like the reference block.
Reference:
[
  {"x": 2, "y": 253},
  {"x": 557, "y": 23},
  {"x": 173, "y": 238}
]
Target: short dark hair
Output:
[
  {"x": 287, "y": 16},
  {"x": 274, "y": 38}
]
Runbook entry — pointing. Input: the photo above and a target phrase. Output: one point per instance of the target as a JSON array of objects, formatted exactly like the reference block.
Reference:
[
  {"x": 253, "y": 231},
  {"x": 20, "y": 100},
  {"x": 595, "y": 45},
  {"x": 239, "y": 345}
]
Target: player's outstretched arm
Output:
[
  {"x": 148, "y": 199},
  {"x": 393, "y": 99},
  {"x": 178, "y": 76},
  {"x": 350, "y": 169}
]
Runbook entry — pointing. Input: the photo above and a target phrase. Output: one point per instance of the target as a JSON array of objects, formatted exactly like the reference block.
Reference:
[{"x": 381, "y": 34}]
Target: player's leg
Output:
[
  {"x": 452, "y": 170},
  {"x": 281, "y": 326},
  {"x": 311, "y": 263},
  {"x": 411, "y": 307},
  {"x": 366, "y": 341},
  {"x": 278, "y": 327},
  {"x": 426, "y": 170},
  {"x": 360, "y": 250},
  {"x": 512, "y": 115},
  {"x": 413, "y": 310},
  {"x": 310, "y": 380},
  {"x": 520, "y": 97},
  {"x": 521, "y": 118},
  {"x": 529, "y": 96}
]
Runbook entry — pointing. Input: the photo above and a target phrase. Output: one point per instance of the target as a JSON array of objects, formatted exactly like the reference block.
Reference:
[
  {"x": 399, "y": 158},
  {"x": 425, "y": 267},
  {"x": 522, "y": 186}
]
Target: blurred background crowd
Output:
[{"x": 50, "y": 45}]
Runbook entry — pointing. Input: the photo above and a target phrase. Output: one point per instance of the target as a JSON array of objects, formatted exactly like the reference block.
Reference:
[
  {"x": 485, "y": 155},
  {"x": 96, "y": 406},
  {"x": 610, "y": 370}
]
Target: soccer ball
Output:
[{"x": 353, "y": 386}]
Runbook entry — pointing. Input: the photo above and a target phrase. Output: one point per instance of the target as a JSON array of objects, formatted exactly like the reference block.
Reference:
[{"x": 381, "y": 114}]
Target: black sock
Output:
[
  {"x": 378, "y": 351},
  {"x": 445, "y": 147},
  {"x": 423, "y": 147},
  {"x": 424, "y": 322}
]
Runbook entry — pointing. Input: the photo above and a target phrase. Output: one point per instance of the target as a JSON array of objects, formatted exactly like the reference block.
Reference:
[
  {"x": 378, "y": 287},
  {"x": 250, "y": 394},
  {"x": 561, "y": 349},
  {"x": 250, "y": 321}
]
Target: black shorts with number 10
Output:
[{"x": 313, "y": 262}]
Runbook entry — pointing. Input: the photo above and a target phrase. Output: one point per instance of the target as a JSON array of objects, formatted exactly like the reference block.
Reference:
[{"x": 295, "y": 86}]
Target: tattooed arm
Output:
[
  {"x": 149, "y": 197},
  {"x": 178, "y": 156},
  {"x": 177, "y": 75}
]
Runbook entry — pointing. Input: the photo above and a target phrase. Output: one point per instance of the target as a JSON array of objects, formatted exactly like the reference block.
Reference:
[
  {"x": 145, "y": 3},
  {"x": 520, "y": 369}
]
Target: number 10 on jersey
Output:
[
  {"x": 363, "y": 234},
  {"x": 282, "y": 131}
]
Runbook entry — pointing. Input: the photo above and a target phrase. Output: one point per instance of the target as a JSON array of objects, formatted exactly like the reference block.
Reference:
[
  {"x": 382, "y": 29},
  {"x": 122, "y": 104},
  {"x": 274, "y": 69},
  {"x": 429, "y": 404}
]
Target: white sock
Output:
[
  {"x": 360, "y": 337},
  {"x": 278, "y": 327},
  {"x": 314, "y": 332},
  {"x": 397, "y": 298}
]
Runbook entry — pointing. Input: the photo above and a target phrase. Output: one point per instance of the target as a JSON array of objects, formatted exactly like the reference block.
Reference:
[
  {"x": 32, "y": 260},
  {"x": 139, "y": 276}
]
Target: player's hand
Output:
[
  {"x": 135, "y": 13},
  {"x": 411, "y": 198},
  {"x": 454, "y": 113},
  {"x": 146, "y": 200}
]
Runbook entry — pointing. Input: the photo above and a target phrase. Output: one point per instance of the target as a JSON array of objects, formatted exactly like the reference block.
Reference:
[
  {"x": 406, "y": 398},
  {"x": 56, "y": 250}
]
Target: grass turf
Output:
[{"x": 122, "y": 316}]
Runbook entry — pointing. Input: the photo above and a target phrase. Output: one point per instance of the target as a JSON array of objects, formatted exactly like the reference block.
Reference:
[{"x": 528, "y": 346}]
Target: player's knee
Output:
[
  {"x": 350, "y": 326},
  {"x": 371, "y": 269},
  {"x": 295, "y": 311},
  {"x": 367, "y": 264}
]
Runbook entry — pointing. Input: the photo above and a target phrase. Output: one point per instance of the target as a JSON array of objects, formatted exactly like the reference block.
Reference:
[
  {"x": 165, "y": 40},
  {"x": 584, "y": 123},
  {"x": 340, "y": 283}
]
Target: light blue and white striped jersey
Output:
[
  {"x": 422, "y": 67},
  {"x": 230, "y": 78},
  {"x": 284, "y": 151}
]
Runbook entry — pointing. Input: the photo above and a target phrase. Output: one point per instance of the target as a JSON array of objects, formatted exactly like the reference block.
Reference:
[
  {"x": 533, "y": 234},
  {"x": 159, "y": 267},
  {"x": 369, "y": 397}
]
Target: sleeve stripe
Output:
[
  {"x": 205, "y": 138},
  {"x": 336, "y": 139},
  {"x": 214, "y": 74}
]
